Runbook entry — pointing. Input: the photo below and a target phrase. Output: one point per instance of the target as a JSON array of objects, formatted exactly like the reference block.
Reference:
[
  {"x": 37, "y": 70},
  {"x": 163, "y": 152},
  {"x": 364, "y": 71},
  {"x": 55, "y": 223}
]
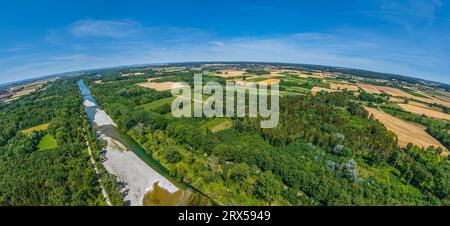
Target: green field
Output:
[
  {"x": 260, "y": 79},
  {"x": 217, "y": 124},
  {"x": 414, "y": 93},
  {"x": 47, "y": 142},
  {"x": 159, "y": 104}
]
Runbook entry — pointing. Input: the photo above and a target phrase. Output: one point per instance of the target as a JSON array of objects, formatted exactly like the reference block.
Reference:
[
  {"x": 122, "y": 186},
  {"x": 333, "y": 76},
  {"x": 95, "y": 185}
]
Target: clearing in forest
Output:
[
  {"x": 406, "y": 132},
  {"x": 38, "y": 128},
  {"x": 47, "y": 142},
  {"x": 217, "y": 124},
  {"x": 424, "y": 111}
]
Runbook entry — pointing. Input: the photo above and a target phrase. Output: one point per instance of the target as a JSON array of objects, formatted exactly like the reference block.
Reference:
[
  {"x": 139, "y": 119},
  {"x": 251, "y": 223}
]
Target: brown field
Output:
[
  {"x": 406, "y": 132},
  {"x": 395, "y": 92},
  {"x": 417, "y": 104},
  {"x": 370, "y": 88},
  {"x": 29, "y": 131},
  {"x": 424, "y": 111},
  {"x": 340, "y": 86},
  {"x": 316, "y": 90},
  {"x": 163, "y": 86}
]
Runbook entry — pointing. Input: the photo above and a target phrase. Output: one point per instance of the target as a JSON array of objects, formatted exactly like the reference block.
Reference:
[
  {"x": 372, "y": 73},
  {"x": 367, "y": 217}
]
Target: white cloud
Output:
[
  {"x": 115, "y": 44},
  {"x": 105, "y": 28}
]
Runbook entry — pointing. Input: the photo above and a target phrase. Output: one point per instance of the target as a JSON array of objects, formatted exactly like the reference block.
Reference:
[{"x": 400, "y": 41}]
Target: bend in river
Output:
[{"x": 147, "y": 181}]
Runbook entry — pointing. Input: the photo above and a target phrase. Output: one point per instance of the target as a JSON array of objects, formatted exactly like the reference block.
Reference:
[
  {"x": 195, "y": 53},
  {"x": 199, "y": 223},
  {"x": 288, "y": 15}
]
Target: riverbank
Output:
[
  {"x": 137, "y": 175},
  {"x": 145, "y": 181}
]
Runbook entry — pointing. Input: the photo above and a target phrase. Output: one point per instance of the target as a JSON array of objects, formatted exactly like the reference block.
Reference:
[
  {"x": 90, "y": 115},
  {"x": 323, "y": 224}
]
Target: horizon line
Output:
[{"x": 38, "y": 77}]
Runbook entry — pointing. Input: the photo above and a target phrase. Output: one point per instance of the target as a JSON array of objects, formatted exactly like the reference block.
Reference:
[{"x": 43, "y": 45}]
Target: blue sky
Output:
[{"x": 44, "y": 37}]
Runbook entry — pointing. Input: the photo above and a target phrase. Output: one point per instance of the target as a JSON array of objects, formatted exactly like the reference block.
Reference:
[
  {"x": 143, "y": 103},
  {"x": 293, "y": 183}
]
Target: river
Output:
[{"x": 147, "y": 182}]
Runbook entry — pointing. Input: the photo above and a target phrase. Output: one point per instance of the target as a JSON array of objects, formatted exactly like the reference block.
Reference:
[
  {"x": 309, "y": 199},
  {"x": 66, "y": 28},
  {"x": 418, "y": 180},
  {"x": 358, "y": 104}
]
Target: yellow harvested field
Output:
[
  {"x": 98, "y": 81},
  {"x": 29, "y": 131},
  {"x": 340, "y": 86},
  {"x": 303, "y": 75},
  {"x": 395, "y": 92},
  {"x": 228, "y": 73},
  {"x": 417, "y": 104},
  {"x": 370, "y": 88},
  {"x": 316, "y": 90},
  {"x": 406, "y": 132},
  {"x": 163, "y": 86},
  {"x": 269, "y": 81},
  {"x": 424, "y": 111},
  {"x": 313, "y": 75}
]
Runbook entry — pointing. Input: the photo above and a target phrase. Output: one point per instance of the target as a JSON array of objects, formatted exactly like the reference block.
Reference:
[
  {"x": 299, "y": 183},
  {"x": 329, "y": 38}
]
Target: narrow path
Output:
[
  {"x": 381, "y": 110},
  {"x": 105, "y": 195}
]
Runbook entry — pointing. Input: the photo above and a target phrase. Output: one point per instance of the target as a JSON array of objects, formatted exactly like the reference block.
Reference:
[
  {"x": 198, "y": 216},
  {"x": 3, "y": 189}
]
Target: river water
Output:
[{"x": 147, "y": 181}]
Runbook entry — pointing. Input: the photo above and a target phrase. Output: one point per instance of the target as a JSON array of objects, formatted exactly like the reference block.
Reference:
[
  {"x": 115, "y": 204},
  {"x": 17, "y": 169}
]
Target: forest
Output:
[{"x": 58, "y": 176}]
